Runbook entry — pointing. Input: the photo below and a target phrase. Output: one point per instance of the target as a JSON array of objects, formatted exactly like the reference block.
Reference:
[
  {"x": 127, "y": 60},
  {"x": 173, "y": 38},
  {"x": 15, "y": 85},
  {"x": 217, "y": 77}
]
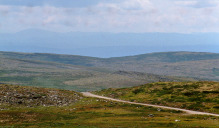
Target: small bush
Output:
[{"x": 136, "y": 91}]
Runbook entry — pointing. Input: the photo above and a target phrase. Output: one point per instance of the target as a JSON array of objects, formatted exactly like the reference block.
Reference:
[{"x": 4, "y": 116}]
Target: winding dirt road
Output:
[{"x": 88, "y": 94}]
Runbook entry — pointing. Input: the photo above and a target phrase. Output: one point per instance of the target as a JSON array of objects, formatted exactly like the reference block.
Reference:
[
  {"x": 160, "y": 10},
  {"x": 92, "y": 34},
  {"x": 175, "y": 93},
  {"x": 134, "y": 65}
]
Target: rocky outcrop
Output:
[{"x": 32, "y": 96}]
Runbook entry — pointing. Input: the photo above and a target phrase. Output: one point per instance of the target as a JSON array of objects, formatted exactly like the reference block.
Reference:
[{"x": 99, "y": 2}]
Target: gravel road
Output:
[{"x": 88, "y": 94}]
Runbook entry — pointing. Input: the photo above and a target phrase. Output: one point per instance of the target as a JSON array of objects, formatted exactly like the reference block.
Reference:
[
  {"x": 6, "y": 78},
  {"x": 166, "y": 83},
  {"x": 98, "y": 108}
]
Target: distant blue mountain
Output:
[{"x": 107, "y": 44}]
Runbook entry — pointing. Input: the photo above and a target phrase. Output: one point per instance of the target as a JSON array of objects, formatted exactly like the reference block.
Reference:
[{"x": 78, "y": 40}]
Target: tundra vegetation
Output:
[
  {"x": 199, "y": 96},
  {"x": 85, "y": 112},
  {"x": 188, "y": 64},
  {"x": 42, "y": 72},
  {"x": 22, "y": 106}
]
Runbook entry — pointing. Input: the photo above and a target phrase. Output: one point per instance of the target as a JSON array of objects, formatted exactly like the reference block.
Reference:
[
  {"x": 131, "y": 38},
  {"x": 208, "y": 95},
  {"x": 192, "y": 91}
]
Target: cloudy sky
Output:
[{"x": 181, "y": 16}]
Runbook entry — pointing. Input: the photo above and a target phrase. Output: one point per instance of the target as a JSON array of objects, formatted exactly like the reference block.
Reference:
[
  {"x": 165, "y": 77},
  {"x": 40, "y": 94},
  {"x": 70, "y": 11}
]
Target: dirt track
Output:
[{"x": 88, "y": 94}]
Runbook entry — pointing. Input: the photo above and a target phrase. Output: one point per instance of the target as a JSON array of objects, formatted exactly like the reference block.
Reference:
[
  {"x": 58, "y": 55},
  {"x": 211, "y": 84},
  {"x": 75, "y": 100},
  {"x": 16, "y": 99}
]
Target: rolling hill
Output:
[
  {"x": 35, "y": 71},
  {"x": 187, "y": 64},
  {"x": 190, "y": 64}
]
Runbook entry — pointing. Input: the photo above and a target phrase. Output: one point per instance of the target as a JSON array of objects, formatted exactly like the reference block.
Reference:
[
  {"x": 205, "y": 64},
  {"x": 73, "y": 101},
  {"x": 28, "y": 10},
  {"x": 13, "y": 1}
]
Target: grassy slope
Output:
[
  {"x": 66, "y": 59},
  {"x": 71, "y": 77},
  {"x": 41, "y": 73},
  {"x": 95, "y": 113},
  {"x": 193, "y": 64},
  {"x": 201, "y": 96},
  {"x": 170, "y": 57}
]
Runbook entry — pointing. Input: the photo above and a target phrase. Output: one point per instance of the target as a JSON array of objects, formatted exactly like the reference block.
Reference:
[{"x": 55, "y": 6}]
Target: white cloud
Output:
[
  {"x": 4, "y": 10},
  {"x": 197, "y": 3},
  {"x": 129, "y": 5},
  {"x": 121, "y": 16},
  {"x": 136, "y": 4},
  {"x": 186, "y": 2},
  {"x": 49, "y": 19}
]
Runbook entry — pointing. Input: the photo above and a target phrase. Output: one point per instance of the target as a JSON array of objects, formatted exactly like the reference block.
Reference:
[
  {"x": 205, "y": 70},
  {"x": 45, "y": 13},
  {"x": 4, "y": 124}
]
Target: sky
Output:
[{"x": 129, "y": 16}]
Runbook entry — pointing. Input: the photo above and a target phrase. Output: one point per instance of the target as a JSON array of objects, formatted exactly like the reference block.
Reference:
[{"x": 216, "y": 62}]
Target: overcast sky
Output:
[{"x": 181, "y": 16}]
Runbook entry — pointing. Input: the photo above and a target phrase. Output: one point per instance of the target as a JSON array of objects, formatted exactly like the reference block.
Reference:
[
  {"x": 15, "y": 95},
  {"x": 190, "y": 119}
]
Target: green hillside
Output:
[
  {"x": 201, "y": 96},
  {"x": 170, "y": 57},
  {"x": 42, "y": 73},
  {"x": 188, "y": 64},
  {"x": 66, "y": 59},
  {"x": 71, "y": 77},
  {"x": 28, "y": 107}
]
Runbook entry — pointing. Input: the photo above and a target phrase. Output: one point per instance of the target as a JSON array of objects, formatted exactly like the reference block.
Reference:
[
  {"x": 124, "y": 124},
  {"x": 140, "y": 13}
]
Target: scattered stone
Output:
[
  {"x": 32, "y": 96},
  {"x": 150, "y": 115},
  {"x": 159, "y": 109},
  {"x": 177, "y": 120}
]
